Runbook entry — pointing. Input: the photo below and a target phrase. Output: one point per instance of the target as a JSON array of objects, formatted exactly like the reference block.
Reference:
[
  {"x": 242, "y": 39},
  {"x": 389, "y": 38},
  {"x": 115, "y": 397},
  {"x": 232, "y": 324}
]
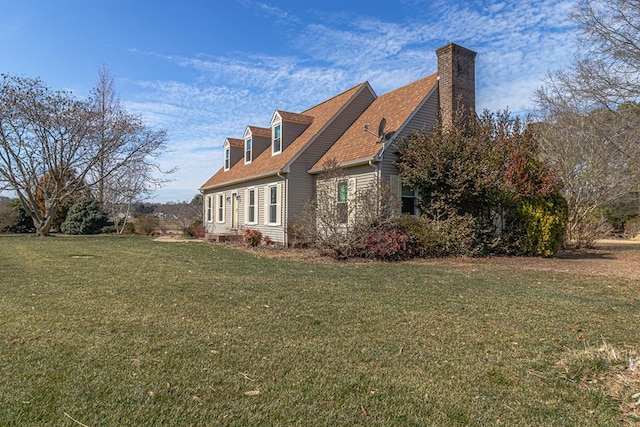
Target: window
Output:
[
  {"x": 209, "y": 208},
  {"x": 408, "y": 200},
  {"x": 247, "y": 150},
  {"x": 251, "y": 206},
  {"x": 221, "y": 207},
  {"x": 227, "y": 158},
  {"x": 277, "y": 138},
  {"x": 342, "y": 202},
  {"x": 273, "y": 204}
]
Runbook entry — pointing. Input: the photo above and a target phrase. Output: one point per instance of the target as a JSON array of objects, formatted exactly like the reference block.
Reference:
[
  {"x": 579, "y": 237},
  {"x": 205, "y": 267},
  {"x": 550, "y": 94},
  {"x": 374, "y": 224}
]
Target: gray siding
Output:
[
  {"x": 301, "y": 183},
  {"x": 290, "y": 131},
  {"x": 424, "y": 120},
  {"x": 275, "y": 232},
  {"x": 235, "y": 155},
  {"x": 259, "y": 144}
]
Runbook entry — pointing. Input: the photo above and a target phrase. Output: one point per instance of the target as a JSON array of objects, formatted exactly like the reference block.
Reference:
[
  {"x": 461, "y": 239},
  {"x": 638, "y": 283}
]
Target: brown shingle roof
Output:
[
  {"x": 259, "y": 131},
  {"x": 236, "y": 142},
  {"x": 396, "y": 107},
  {"x": 288, "y": 116},
  {"x": 265, "y": 163}
]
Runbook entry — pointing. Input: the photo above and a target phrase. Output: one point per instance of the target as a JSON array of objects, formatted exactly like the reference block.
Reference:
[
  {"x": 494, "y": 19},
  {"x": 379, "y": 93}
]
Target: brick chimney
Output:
[{"x": 457, "y": 82}]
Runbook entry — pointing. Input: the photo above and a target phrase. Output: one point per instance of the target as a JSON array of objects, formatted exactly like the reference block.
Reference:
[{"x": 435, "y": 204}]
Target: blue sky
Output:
[{"x": 204, "y": 70}]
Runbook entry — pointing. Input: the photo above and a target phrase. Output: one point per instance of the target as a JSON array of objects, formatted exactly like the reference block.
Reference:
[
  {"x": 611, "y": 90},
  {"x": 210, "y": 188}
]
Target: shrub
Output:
[
  {"x": 252, "y": 237},
  {"x": 544, "y": 221},
  {"x": 267, "y": 240},
  {"x": 84, "y": 217},
  {"x": 9, "y": 217},
  {"x": 195, "y": 230},
  {"x": 454, "y": 236},
  {"x": 388, "y": 244},
  {"x": 19, "y": 221},
  {"x": 426, "y": 239},
  {"x": 299, "y": 234},
  {"x": 632, "y": 227},
  {"x": 146, "y": 224}
]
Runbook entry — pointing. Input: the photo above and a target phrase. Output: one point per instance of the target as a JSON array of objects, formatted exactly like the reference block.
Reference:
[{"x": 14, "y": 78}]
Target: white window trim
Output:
[
  {"x": 209, "y": 208},
  {"x": 220, "y": 208},
  {"x": 267, "y": 204},
  {"x": 247, "y": 207},
  {"x": 273, "y": 138},
  {"x": 340, "y": 182},
  {"x": 250, "y": 140},
  {"x": 227, "y": 157}
]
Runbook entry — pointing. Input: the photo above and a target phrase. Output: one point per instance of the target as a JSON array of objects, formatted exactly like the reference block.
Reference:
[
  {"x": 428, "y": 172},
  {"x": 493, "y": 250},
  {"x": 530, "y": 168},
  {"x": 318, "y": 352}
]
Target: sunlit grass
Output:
[{"x": 128, "y": 331}]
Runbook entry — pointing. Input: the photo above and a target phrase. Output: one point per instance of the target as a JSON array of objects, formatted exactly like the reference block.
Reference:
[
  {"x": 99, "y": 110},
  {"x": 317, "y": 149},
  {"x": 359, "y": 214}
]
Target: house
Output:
[{"x": 271, "y": 172}]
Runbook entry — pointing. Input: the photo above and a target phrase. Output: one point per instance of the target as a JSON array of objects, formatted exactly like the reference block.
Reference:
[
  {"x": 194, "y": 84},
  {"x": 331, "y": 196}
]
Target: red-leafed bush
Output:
[
  {"x": 388, "y": 244},
  {"x": 252, "y": 237}
]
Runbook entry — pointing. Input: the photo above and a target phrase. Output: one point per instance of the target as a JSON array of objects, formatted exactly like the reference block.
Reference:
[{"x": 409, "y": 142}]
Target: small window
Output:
[
  {"x": 273, "y": 204},
  {"x": 277, "y": 138},
  {"x": 227, "y": 158},
  {"x": 221, "y": 207},
  {"x": 247, "y": 150},
  {"x": 209, "y": 208},
  {"x": 251, "y": 202},
  {"x": 342, "y": 202},
  {"x": 408, "y": 200}
]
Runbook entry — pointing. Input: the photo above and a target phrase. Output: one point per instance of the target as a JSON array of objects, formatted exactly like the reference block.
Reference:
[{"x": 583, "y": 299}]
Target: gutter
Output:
[
  {"x": 352, "y": 163},
  {"x": 245, "y": 179}
]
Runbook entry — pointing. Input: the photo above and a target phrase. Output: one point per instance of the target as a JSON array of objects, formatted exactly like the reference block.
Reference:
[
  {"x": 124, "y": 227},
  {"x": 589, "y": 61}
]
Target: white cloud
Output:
[{"x": 517, "y": 43}]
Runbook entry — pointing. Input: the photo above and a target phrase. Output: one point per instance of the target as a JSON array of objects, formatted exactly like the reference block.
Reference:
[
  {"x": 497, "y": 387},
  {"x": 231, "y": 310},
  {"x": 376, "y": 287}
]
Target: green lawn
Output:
[{"x": 127, "y": 331}]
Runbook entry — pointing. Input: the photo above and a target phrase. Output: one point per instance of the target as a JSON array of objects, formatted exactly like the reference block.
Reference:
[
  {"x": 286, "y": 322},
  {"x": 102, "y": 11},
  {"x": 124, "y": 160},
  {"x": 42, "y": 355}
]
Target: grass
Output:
[{"x": 128, "y": 331}]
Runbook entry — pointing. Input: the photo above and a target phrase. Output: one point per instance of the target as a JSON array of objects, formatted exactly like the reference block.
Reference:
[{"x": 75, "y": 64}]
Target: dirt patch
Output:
[
  {"x": 610, "y": 258},
  {"x": 176, "y": 238}
]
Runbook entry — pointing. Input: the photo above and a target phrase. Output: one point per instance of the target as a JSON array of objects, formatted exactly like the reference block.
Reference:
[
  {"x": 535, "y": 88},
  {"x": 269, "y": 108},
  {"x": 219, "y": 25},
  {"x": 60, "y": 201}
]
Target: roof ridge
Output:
[
  {"x": 333, "y": 97},
  {"x": 409, "y": 84}
]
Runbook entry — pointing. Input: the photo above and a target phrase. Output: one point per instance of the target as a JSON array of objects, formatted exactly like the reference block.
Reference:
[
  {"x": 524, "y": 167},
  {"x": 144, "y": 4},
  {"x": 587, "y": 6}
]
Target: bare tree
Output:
[
  {"x": 607, "y": 70},
  {"x": 597, "y": 158},
  {"x": 186, "y": 214},
  {"x": 53, "y": 145},
  {"x": 343, "y": 213},
  {"x": 590, "y": 114},
  {"x": 126, "y": 169},
  {"x": 125, "y": 188},
  {"x": 44, "y": 149}
]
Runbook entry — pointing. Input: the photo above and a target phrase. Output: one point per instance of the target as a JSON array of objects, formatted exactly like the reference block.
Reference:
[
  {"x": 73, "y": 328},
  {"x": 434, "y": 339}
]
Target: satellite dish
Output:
[
  {"x": 381, "y": 134},
  {"x": 383, "y": 123}
]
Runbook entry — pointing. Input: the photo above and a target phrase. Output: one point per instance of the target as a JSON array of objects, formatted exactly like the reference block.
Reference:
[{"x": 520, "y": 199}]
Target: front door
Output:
[{"x": 234, "y": 211}]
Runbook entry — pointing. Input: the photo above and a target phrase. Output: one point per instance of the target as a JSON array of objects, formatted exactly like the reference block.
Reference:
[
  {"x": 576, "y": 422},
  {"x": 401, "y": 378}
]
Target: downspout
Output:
[{"x": 285, "y": 207}]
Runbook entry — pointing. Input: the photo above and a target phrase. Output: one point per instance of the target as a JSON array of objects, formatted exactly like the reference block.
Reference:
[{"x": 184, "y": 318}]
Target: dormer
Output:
[
  {"x": 256, "y": 140},
  {"x": 285, "y": 128},
  {"x": 232, "y": 152}
]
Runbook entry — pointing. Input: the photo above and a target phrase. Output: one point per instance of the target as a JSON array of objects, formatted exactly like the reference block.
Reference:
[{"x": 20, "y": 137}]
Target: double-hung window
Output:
[
  {"x": 277, "y": 138},
  {"x": 227, "y": 158},
  {"x": 251, "y": 206},
  {"x": 273, "y": 204},
  {"x": 209, "y": 208},
  {"x": 342, "y": 202},
  {"x": 408, "y": 200},
  {"x": 247, "y": 150},
  {"x": 220, "y": 207}
]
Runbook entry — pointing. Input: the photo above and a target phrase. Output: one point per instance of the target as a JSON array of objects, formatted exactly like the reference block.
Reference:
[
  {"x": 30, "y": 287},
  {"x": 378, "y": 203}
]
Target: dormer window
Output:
[
  {"x": 227, "y": 157},
  {"x": 247, "y": 151},
  {"x": 277, "y": 139}
]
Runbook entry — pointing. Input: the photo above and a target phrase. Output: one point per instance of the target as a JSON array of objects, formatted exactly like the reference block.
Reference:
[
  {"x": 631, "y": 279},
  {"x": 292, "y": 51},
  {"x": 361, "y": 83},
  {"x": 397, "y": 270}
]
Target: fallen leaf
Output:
[
  {"x": 252, "y": 393},
  {"x": 364, "y": 410}
]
